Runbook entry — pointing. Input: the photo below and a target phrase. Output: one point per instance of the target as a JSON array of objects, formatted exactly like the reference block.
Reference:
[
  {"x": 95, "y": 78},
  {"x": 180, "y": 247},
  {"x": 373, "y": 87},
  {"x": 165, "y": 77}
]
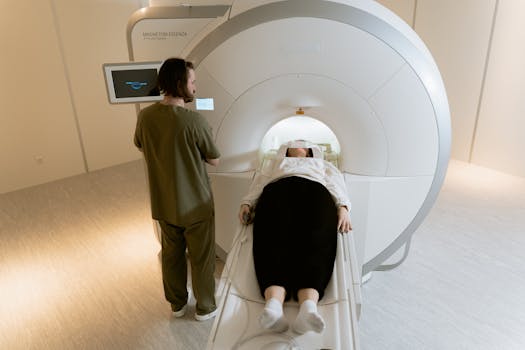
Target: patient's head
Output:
[{"x": 299, "y": 152}]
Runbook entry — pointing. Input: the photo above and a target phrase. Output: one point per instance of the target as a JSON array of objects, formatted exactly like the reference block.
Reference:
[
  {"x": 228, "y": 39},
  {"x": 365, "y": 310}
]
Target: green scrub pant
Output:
[{"x": 199, "y": 238}]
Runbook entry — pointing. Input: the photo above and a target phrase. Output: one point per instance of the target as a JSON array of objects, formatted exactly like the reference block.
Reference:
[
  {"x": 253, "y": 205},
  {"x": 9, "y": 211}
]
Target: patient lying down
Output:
[{"x": 299, "y": 206}]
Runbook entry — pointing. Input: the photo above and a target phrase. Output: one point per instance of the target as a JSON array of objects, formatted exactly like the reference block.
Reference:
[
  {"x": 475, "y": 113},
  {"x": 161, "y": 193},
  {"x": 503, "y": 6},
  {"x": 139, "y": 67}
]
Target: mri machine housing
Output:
[{"x": 353, "y": 65}]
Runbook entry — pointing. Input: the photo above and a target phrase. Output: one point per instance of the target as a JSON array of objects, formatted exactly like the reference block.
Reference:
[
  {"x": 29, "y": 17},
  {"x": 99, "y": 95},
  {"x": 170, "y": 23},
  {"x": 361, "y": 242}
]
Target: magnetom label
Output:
[
  {"x": 158, "y": 39},
  {"x": 163, "y": 35}
]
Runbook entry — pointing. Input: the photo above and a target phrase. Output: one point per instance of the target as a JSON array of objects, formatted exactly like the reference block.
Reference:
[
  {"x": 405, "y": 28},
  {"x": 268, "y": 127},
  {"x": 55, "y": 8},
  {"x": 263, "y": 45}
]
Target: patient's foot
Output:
[
  {"x": 272, "y": 316},
  {"x": 308, "y": 319}
]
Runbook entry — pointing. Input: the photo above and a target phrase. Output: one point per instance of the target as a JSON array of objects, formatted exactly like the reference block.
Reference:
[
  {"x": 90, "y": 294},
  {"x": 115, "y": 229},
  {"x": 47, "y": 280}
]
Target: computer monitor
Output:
[{"x": 132, "y": 82}]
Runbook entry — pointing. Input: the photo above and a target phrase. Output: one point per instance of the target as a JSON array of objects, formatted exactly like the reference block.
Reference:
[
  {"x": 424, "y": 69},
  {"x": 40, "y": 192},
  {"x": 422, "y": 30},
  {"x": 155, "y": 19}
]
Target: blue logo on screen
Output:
[{"x": 136, "y": 85}]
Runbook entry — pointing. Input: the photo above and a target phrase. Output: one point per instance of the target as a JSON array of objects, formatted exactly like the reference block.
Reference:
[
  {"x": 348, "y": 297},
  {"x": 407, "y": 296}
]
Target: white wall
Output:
[
  {"x": 93, "y": 33},
  {"x": 458, "y": 33},
  {"x": 403, "y": 8},
  {"x": 56, "y": 121},
  {"x": 500, "y": 141},
  {"x": 38, "y": 137},
  {"x": 479, "y": 47}
]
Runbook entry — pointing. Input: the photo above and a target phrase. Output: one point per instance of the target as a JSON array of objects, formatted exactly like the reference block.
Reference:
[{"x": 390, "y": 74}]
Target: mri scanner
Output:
[{"x": 348, "y": 75}]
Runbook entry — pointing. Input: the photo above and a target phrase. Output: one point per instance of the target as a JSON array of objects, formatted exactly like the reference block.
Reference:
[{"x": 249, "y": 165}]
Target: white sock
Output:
[
  {"x": 308, "y": 319},
  {"x": 272, "y": 316}
]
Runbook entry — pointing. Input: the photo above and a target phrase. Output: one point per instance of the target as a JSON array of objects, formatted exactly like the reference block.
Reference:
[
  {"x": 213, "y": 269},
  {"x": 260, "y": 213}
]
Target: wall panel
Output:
[
  {"x": 402, "y": 8},
  {"x": 94, "y": 32},
  {"x": 457, "y": 33},
  {"x": 500, "y": 141},
  {"x": 38, "y": 137}
]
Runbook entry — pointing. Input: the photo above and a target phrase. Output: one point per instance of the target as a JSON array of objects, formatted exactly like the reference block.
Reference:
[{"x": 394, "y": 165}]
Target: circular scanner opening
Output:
[{"x": 300, "y": 128}]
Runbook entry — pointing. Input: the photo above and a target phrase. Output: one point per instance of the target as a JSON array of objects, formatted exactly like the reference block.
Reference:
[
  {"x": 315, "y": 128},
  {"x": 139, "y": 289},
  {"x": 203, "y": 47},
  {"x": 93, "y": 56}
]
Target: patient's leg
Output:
[
  {"x": 272, "y": 316},
  {"x": 308, "y": 319}
]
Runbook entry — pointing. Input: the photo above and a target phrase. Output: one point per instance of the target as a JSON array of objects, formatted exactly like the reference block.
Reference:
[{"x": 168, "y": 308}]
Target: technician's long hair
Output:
[{"x": 173, "y": 78}]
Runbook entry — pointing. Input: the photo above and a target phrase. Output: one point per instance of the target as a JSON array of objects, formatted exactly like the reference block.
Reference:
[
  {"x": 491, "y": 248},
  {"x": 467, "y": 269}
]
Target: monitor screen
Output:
[
  {"x": 132, "y": 82},
  {"x": 204, "y": 104}
]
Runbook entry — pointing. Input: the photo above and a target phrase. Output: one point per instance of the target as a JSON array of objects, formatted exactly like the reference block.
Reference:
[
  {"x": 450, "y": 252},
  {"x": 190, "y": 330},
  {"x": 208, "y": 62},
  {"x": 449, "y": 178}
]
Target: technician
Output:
[{"x": 177, "y": 142}]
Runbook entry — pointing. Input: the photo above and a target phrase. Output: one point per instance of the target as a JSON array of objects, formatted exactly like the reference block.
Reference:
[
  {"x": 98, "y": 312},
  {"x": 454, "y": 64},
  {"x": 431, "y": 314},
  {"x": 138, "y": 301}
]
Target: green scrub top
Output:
[{"x": 175, "y": 142}]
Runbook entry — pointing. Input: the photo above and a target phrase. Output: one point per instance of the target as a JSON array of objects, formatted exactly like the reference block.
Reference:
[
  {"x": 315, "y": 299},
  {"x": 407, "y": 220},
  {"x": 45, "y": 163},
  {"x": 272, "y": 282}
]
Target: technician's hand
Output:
[
  {"x": 343, "y": 220},
  {"x": 245, "y": 214}
]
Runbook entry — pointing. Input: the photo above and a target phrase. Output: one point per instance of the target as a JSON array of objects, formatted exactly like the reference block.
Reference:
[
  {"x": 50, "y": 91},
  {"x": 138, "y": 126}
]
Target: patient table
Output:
[{"x": 236, "y": 325}]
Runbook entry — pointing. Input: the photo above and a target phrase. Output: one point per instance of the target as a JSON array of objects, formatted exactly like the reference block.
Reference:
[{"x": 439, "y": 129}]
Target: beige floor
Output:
[
  {"x": 463, "y": 283},
  {"x": 79, "y": 270}
]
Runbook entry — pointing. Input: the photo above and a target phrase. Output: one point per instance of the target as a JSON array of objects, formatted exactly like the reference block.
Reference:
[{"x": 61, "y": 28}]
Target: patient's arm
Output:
[
  {"x": 256, "y": 187},
  {"x": 335, "y": 183}
]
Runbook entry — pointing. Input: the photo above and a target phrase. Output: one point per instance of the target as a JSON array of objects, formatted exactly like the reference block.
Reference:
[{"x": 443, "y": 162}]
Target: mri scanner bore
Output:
[{"x": 352, "y": 66}]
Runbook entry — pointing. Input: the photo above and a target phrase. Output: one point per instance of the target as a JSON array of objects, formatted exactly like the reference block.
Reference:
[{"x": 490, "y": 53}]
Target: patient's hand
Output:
[
  {"x": 245, "y": 214},
  {"x": 343, "y": 220}
]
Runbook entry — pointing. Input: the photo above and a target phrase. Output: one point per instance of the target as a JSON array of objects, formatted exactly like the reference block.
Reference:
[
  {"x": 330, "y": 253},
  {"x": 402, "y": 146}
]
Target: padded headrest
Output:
[{"x": 316, "y": 151}]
